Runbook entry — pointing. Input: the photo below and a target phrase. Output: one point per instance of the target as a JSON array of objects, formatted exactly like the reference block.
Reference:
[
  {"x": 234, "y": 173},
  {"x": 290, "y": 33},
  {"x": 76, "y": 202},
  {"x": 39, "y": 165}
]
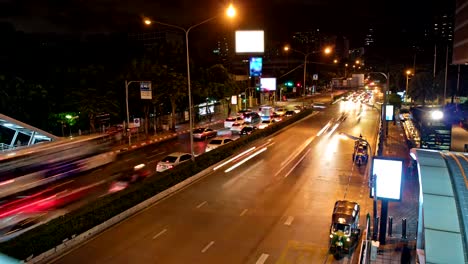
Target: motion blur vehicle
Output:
[
  {"x": 344, "y": 229},
  {"x": 360, "y": 154},
  {"x": 266, "y": 123},
  {"x": 297, "y": 109},
  {"x": 126, "y": 178},
  {"x": 43, "y": 163},
  {"x": 237, "y": 127},
  {"x": 231, "y": 120},
  {"x": 203, "y": 133},
  {"x": 289, "y": 113},
  {"x": 15, "y": 225},
  {"x": 217, "y": 142},
  {"x": 247, "y": 130},
  {"x": 172, "y": 160}
]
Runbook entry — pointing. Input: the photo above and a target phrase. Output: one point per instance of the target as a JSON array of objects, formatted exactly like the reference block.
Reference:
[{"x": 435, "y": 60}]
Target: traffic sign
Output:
[{"x": 315, "y": 77}]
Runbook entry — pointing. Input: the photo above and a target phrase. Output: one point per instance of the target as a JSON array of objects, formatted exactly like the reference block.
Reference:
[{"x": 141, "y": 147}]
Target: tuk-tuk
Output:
[
  {"x": 344, "y": 230},
  {"x": 360, "y": 154}
]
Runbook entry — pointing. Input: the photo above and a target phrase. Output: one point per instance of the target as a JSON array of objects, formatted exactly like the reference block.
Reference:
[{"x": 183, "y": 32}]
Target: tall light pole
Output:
[
  {"x": 408, "y": 72},
  {"x": 327, "y": 50},
  {"x": 127, "y": 83},
  {"x": 230, "y": 12}
]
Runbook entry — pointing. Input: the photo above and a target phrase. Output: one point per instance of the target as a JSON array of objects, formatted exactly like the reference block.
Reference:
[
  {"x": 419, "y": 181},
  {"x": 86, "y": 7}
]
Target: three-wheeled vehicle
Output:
[
  {"x": 344, "y": 229},
  {"x": 360, "y": 154}
]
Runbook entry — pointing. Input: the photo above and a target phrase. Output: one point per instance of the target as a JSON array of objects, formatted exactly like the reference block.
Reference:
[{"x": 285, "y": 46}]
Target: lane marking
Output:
[
  {"x": 297, "y": 163},
  {"x": 289, "y": 220},
  {"x": 157, "y": 154},
  {"x": 207, "y": 247},
  {"x": 160, "y": 233},
  {"x": 202, "y": 204},
  {"x": 262, "y": 258},
  {"x": 127, "y": 160},
  {"x": 243, "y": 212},
  {"x": 154, "y": 150}
]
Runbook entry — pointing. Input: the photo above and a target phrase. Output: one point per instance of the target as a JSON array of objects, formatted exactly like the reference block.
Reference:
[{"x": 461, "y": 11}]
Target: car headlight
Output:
[
  {"x": 331, "y": 235},
  {"x": 347, "y": 239}
]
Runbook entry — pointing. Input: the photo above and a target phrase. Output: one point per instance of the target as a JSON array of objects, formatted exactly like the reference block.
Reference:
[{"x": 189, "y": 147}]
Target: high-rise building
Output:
[
  {"x": 222, "y": 49},
  {"x": 369, "y": 39},
  {"x": 460, "y": 43},
  {"x": 443, "y": 28}
]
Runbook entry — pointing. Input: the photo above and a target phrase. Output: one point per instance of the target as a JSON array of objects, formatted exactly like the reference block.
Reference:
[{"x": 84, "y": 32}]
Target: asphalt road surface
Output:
[{"x": 271, "y": 205}]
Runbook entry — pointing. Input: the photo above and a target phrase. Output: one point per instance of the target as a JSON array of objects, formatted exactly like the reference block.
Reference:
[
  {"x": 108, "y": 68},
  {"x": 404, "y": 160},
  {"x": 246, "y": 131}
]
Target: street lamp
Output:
[
  {"x": 408, "y": 72},
  {"x": 70, "y": 119},
  {"x": 230, "y": 12},
  {"x": 327, "y": 50}
]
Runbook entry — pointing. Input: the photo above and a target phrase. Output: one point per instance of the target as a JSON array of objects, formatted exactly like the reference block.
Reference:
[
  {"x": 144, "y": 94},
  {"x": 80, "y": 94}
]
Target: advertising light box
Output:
[
  {"x": 256, "y": 66},
  {"x": 250, "y": 41},
  {"x": 389, "y": 112},
  {"x": 268, "y": 84},
  {"x": 389, "y": 172}
]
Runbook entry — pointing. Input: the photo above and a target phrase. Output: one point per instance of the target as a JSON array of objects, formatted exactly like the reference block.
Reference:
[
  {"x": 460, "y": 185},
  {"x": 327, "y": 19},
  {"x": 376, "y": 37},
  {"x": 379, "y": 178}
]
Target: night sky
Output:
[{"x": 277, "y": 17}]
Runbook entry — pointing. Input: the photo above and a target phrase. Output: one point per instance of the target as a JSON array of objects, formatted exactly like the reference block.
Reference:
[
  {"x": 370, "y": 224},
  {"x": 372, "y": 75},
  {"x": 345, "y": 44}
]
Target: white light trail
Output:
[{"x": 245, "y": 160}]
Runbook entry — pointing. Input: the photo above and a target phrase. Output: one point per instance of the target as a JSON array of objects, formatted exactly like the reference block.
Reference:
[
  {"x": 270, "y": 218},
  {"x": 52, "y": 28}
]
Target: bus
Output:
[
  {"x": 266, "y": 112},
  {"x": 41, "y": 164}
]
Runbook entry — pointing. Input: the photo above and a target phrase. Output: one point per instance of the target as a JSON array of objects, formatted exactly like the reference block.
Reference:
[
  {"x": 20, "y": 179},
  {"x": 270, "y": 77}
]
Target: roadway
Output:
[{"x": 274, "y": 207}]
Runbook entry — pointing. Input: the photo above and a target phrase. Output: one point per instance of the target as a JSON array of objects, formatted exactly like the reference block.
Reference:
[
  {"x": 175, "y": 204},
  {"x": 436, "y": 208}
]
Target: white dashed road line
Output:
[
  {"x": 262, "y": 258},
  {"x": 289, "y": 220},
  {"x": 207, "y": 247},
  {"x": 160, "y": 233},
  {"x": 243, "y": 212},
  {"x": 202, "y": 204}
]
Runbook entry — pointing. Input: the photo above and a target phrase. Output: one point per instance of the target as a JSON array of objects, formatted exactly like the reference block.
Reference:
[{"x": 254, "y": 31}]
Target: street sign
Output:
[
  {"x": 315, "y": 77},
  {"x": 145, "y": 90},
  {"x": 136, "y": 122}
]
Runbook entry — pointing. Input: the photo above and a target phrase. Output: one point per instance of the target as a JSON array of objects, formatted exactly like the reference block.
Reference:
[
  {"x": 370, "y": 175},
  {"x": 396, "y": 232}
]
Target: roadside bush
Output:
[{"x": 54, "y": 232}]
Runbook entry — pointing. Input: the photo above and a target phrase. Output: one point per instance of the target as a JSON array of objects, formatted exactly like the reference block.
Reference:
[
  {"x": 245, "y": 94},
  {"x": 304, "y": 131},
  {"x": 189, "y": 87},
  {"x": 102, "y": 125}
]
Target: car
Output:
[
  {"x": 277, "y": 117},
  {"x": 172, "y": 160},
  {"x": 217, "y": 142},
  {"x": 297, "y": 109},
  {"x": 247, "y": 130},
  {"x": 237, "y": 127},
  {"x": 289, "y": 113},
  {"x": 204, "y": 132},
  {"x": 243, "y": 112},
  {"x": 280, "y": 111},
  {"x": 126, "y": 178},
  {"x": 231, "y": 120},
  {"x": 252, "y": 118},
  {"x": 265, "y": 123}
]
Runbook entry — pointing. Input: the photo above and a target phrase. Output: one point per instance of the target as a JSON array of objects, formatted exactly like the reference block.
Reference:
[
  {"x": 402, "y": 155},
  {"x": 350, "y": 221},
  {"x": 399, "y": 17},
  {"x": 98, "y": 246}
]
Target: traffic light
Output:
[
  {"x": 298, "y": 84},
  {"x": 289, "y": 84}
]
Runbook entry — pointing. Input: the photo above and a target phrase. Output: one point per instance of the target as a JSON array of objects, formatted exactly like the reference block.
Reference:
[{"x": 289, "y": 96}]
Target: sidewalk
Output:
[{"x": 391, "y": 252}]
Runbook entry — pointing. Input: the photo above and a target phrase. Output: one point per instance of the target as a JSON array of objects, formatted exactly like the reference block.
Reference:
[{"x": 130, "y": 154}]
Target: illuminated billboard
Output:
[
  {"x": 389, "y": 112},
  {"x": 389, "y": 173},
  {"x": 256, "y": 66},
  {"x": 268, "y": 84},
  {"x": 250, "y": 41}
]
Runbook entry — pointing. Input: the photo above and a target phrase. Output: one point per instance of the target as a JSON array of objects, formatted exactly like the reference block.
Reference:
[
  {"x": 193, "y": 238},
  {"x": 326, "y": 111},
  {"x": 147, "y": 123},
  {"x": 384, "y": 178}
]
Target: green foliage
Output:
[
  {"x": 421, "y": 87},
  {"x": 51, "y": 234},
  {"x": 395, "y": 100}
]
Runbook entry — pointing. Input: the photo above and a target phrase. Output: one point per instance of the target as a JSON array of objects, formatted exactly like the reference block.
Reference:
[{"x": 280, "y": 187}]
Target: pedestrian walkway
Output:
[{"x": 396, "y": 245}]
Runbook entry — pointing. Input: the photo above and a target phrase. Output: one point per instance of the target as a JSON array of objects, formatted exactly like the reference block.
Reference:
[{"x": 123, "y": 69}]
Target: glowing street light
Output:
[
  {"x": 335, "y": 61},
  {"x": 230, "y": 12},
  {"x": 358, "y": 61},
  {"x": 327, "y": 50},
  {"x": 408, "y": 73}
]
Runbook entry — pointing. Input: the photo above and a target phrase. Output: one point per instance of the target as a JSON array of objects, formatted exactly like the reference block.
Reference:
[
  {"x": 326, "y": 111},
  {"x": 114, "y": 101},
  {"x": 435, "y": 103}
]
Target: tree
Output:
[{"x": 421, "y": 87}]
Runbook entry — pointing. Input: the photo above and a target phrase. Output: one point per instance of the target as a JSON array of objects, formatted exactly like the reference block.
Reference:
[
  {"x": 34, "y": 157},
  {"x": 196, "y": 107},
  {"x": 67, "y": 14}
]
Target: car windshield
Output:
[
  {"x": 216, "y": 142},
  {"x": 236, "y": 124},
  {"x": 247, "y": 129},
  {"x": 199, "y": 130},
  {"x": 169, "y": 159},
  {"x": 266, "y": 122},
  {"x": 230, "y": 119}
]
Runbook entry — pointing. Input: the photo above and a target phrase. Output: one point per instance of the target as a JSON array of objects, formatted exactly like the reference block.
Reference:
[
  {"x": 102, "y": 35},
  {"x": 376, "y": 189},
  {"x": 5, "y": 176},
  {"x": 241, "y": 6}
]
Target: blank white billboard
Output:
[
  {"x": 389, "y": 176},
  {"x": 268, "y": 84},
  {"x": 250, "y": 41}
]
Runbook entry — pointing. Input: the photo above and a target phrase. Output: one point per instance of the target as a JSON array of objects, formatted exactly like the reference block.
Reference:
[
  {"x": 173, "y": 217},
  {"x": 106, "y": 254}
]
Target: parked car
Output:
[
  {"x": 297, "y": 109},
  {"x": 289, "y": 113},
  {"x": 265, "y": 123},
  {"x": 231, "y": 120},
  {"x": 172, "y": 160},
  {"x": 280, "y": 111},
  {"x": 217, "y": 142},
  {"x": 237, "y": 127},
  {"x": 252, "y": 118},
  {"x": 203, "y": 132},
  {"x": 247, "y": 130}
]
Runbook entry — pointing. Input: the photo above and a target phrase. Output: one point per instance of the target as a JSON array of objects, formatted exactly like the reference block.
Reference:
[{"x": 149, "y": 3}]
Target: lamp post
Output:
[
  {"x": 127, "y": 83},
  {"x": 70, "y": 119},
  {"x": 385, "y": 88},
  {"x": 327, "y": 50},
  {"x": 408, "y": 72},
  {"x": 230, "y": 12}
]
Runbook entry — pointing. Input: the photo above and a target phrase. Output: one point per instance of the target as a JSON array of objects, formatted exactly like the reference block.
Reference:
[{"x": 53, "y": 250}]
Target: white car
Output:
[
  {"x": 280, "y": 111},
  {"x": 231, "y": 120},
  {"x": 172, "y": 160},
  {"x": 216, "y": 142},
  {"x": 237, "y": 127},
  {"x": 266, "y": 123}
]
